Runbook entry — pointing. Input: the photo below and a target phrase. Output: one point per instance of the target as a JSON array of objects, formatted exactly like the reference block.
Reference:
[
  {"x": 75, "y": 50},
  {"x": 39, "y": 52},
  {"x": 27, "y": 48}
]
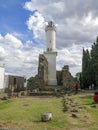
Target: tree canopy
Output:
[{"x": 89, "y": 74}]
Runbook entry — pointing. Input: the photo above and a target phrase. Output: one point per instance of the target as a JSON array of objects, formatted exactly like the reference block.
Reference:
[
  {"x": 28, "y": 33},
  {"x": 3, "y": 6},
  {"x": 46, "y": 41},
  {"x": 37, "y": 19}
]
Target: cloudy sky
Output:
[{"x": 22, "y": 35}]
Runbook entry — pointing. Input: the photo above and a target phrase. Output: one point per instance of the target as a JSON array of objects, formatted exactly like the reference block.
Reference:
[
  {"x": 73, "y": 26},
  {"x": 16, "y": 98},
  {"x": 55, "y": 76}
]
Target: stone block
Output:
[{"x": 46, "y": 117}]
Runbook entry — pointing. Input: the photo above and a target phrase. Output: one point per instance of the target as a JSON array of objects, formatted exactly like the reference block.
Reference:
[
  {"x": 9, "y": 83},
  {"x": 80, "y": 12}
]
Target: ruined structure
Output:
[
  {"x": 2, "y": 72},
  {"x": 42, "y": 71},
  {"x": 14, "y": 83},
  {"x": 64, "y": 78},
  {"x": 67, "y": 79},
  {"x": 48, "y": 77}
]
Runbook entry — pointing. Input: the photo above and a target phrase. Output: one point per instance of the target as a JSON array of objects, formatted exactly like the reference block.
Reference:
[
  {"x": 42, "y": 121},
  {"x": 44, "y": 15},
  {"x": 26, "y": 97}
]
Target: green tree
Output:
[
  {"x": 30, "y": 83},
  {"x": 94, "y": 62},
  {"x": 90, "y": 66},
  {"x": 85, "y": 69}
]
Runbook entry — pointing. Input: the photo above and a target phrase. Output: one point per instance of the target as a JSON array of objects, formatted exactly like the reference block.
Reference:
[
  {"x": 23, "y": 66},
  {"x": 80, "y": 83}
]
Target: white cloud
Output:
[
  {"x": 36, "y": 23},
  {"x": 77, "y": 28},
  {"x": 29, "y": 6},
  {"x": 24, "y": 60},
  {"x": 12, "y": 41},
  {"x": 71, "y": 16},
  {"x": 46, "y": 6},
  {"x": 19, "y": 58},
  {"x": 89, "y": 20},
  {"x": 18, "y": 35},
  {"x": 2, "y": 52},
  {"x": 59, "y": 6},
  {"x": 1, "y": 37},
  {"x": 71, "y": 56}
]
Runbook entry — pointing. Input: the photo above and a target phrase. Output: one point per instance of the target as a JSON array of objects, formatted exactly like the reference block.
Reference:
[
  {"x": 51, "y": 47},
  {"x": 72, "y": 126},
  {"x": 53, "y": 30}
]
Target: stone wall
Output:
[
  {"x": 41, "y": 79},
  {"x": 64, "y": 78},
  {"x": 15, "y": 84},
  {"x": 59, "y": 78},
  {"x": 42, "y": 71},
  {"x": 67, "y": 78}
]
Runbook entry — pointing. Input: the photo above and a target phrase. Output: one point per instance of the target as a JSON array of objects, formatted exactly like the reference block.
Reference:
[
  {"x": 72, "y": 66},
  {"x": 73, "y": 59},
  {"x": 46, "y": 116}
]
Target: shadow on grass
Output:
[
  {"x": 40, "y": 121},
  {"x": 89, "y": 104},
  {"x": 37, "y": 121},
  {"x": 86, "y": 97}
]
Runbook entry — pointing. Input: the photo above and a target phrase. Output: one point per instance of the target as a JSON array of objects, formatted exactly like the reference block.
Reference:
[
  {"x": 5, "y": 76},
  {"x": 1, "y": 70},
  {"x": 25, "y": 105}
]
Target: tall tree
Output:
[
  {"x": 85, "y": 68},
  {"x": 90, "y": 66},
  {"x": 94, "y": 62}
]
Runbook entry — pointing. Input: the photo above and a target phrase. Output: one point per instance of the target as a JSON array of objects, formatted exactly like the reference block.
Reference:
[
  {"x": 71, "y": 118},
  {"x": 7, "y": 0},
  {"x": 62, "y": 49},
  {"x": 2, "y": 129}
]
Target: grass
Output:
[{"x": 25, "y": 114}]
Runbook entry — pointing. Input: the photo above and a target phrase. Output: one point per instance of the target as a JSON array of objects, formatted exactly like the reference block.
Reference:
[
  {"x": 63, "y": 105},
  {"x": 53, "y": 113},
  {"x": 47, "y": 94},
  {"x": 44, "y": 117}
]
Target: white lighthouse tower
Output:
[{"x": 51, "y": 53}]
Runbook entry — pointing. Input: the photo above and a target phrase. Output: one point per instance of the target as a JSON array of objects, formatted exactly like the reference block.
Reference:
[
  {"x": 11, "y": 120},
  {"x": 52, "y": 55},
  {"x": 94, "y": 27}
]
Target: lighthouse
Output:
[{"x": 51, "y": 52}]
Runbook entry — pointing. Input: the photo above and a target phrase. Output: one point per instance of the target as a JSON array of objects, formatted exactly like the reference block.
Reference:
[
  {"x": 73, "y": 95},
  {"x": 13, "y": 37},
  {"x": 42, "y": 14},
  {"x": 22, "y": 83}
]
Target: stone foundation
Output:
[
  {"x": 41, "y": 81},
  {"x": 64, "y": 78}
]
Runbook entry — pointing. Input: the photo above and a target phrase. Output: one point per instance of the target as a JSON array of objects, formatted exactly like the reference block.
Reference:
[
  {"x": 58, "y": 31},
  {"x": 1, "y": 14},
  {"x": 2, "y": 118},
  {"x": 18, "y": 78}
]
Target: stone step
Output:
[
  {"x": 41, "y": 94},
  {"x": 51, "y": 87}
]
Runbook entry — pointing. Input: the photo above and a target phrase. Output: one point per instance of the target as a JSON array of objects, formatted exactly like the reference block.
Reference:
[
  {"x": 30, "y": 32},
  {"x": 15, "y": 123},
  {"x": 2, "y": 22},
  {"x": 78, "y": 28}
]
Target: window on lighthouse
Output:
[
  {"x": 47, "y": 49},
  {"x": 50, "y": 42},
  {"x": 50, "y": 46}
]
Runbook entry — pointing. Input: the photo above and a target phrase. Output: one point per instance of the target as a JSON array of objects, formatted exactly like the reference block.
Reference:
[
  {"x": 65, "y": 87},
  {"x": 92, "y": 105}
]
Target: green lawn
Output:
[{"x": 25, "y": 114}]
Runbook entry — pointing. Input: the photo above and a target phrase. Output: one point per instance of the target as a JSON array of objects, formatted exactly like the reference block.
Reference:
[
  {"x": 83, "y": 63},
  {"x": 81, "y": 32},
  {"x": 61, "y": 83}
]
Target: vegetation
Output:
[
  {"x": 90, "y": 66},
  {"x": 25, "y": 113},
  {"x": 30, "y": 83}
]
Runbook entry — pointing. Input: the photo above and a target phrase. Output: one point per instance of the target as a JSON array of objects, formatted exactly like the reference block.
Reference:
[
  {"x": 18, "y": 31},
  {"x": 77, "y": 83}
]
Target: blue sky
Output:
[
  {"x": 22, "y": 35},
  {"x": 13, "y": 18}
]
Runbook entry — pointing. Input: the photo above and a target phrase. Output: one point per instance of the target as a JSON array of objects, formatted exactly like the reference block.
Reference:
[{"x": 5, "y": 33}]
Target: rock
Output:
[
  {"x": 82, "y": 107},
  {"x": 74, "y": 104},
  {"x": 74, "y": 110},
  {"x": 25, "y": 105},
  {"x": 4, "y": 98},
  {"x": 93, "y": 106},
  {"x": 74, "y": 116},
  {"x": 71, "y": 100},
  {"x": 46, "y": 117},
  {"x": 65, "y": 107}
]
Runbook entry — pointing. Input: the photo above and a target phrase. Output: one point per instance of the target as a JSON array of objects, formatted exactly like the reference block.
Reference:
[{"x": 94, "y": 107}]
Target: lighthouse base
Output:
[
  {"x": 51, "y": 58},
  {"x": 52, "y": 82}
]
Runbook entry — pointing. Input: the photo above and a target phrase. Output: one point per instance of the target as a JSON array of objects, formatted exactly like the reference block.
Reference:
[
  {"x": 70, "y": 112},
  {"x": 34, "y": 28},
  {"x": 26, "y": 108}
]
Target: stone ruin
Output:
[
  {"x": 67, "y": 78},
  {"x": 42, "y": 71},
  {"x": 48, "y": 77},
  {"x": 41, "y": 79},
  {"x": 64, "y": 77}
]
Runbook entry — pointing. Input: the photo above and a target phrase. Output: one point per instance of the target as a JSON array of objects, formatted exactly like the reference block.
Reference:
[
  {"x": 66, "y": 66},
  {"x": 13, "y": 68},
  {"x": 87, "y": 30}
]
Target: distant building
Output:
[
  {"x": 11, "y": 82},
  {"x": 14, "y": 83},
  {"x": 2, "y": 71}
]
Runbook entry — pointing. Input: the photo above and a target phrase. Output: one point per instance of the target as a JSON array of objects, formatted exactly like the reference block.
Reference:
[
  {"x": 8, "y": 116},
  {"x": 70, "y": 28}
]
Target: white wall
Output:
[
  {"x": 6, "y": 81},
  {"x": 2, "y": 71}
]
